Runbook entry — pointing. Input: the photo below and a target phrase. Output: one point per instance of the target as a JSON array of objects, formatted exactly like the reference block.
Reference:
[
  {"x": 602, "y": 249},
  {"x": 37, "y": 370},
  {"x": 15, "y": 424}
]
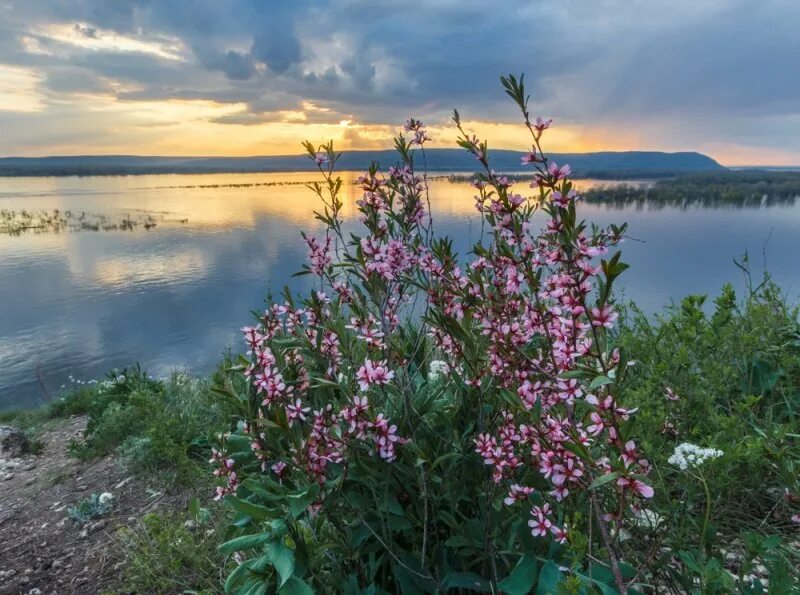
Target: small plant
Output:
[{"x": 91, "y": 508}]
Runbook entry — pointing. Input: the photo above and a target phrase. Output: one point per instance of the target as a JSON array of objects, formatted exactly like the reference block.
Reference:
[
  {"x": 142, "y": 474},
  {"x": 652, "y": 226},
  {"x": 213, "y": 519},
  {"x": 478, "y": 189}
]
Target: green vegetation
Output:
[
  {"x": 736, "y": 374},
  {"x": 55, "y": 221},
  {"x": 724, "y": 527},
  {"x": 175, "y": 552},
  {"x": 735, "y": 188},
  {"x": 154, "y": 426},
  {"x": 91, "y": 508}
]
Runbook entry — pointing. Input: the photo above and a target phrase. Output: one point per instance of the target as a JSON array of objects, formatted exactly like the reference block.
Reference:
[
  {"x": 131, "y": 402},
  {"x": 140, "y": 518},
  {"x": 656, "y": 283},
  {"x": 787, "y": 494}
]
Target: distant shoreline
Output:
[{"x": 608, "y": 165}]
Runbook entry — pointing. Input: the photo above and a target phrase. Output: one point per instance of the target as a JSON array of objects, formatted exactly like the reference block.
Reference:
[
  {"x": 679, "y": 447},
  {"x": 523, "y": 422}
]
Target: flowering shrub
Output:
[{"x": 424, "y": 421}]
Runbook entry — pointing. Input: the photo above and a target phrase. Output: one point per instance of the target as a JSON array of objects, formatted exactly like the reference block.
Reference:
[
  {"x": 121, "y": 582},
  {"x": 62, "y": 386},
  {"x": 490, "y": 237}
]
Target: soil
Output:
[{"x": 42, "y": 550}]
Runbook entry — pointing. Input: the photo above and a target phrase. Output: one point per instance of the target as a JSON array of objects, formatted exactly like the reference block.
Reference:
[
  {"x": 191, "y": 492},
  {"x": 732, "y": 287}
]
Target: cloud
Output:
[{"x": 675, "y": 75}]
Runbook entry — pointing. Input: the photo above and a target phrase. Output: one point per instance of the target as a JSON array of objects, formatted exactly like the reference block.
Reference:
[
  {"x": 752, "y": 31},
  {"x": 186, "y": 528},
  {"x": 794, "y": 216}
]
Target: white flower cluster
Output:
[
  {"x": 106, "y": 498},
  {"x": 438, "y": 368},
  {"x": 690, "y": 455}
]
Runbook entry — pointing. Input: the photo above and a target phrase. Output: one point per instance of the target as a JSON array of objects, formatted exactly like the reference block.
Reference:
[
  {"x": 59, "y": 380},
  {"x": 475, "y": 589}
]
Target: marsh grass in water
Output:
[
  {"x": 13, "y": 222},
  {"x": 717, "y": 189}
]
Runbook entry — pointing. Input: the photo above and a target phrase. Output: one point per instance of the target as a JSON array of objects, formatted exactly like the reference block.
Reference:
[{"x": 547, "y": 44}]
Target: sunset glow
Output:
[{"x": 254, "y": 81}]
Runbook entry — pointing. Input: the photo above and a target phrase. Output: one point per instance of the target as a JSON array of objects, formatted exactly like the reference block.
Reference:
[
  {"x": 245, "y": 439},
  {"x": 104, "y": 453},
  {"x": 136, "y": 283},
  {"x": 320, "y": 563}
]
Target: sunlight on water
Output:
[{"x": 174, "y": 296}]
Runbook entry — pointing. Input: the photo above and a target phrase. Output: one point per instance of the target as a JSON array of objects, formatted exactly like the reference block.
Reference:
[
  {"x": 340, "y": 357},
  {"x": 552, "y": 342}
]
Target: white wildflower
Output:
[
  {"x": 106, "y": 498},
  {"x": 690, "y": 455},
  {"x": 438, "y": 368},
  {"x": 647, "y": 519}
]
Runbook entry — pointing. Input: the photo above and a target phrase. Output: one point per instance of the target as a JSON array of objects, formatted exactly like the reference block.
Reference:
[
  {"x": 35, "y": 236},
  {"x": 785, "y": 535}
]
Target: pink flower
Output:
[
  {"x": 279, "y": 468},
  {"x": 541, "y": 125},
  {"x": 670, "y": 395},
  {"x": 296, "y": 411},
  {"x": 605, "y": 316},
  {"x": 529, "y": 158},
  {"x": 539, "y": 526},
  {"x": 559, "y": 533},
  {"x": 373, "y": 373},
  {"x": 517, "y": 492},
  {"x": 563, "y": 200},
  {"x": 558, "y": 173},
  {"x": 641, "y": 488}
]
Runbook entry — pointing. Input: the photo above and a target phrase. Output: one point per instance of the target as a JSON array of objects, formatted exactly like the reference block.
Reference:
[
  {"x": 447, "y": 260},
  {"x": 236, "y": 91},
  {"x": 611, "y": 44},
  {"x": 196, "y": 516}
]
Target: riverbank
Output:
[
  {"x": 725, "y": 379},
  {"x": 81, "y": 512}
]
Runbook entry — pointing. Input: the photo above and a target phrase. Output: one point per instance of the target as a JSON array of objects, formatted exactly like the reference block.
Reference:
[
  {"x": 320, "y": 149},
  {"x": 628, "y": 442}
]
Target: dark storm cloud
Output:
[{"x": 587, "y": 61}]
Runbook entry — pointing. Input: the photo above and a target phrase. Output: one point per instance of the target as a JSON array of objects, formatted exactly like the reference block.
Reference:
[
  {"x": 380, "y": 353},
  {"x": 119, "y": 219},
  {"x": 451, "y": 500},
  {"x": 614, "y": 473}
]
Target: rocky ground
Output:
[{"x": 42, "y": 550}]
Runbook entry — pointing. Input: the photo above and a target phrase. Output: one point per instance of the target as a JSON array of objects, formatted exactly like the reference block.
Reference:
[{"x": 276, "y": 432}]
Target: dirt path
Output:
[{"x": 42, "y": 551}]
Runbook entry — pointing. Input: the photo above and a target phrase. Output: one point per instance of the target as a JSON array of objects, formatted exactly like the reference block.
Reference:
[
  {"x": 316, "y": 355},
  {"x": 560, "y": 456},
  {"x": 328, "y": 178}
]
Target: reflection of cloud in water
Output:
[
  {"x": 173, "y": 268},
  {"x": 175, "y": 296}
]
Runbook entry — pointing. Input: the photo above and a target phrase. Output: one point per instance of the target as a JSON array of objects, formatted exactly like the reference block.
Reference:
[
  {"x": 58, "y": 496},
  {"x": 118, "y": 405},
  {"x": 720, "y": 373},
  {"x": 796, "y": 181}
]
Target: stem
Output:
[
  {"x": 612, "y": 556},
  {"x": 707, "y": 517}
]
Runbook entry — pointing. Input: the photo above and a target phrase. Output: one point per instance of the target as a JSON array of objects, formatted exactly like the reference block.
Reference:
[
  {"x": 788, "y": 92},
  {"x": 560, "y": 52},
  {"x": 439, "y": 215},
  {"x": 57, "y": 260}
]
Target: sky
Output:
[{"x": 255, "y": 77}]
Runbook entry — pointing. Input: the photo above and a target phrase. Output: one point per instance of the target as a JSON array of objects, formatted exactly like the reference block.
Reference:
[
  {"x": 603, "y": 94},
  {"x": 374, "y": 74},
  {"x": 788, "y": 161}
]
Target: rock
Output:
[
  {"x": 13, "y": 442},
  {"x": 123, "y": 483},
  {"x": 96, "y": 526},
  {"x": 8, "y": 476}
]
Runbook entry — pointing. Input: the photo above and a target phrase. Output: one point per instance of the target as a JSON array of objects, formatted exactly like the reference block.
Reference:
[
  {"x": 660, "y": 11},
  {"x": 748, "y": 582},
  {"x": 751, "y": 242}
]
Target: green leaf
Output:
[
  {"x": 254, "y": 511},
  {"x": 522, "y": 578},
  {"x": 549, "y": 578},
  {"x": 299, "y": 503},
  {"x": 236, "y": 575},
  {"x": 465, "y": 580},
  {"x": 255, "y": 586},
  {"x": 690, "y": 562},
  {"x": 245, "y": 542},
  {"x": 600, "y": 381},
  {"x": 406, "y": 582},
  {"x": 459, "y": 541},
  {"x": 295, "y": 586},
  {"x": 282, "y": 558},
  {"x": 604, "y": 479}
]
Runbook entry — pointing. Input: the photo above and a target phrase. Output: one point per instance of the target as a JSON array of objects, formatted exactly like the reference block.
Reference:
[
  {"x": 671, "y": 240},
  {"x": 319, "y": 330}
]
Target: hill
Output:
[{"x": 601, "y": 164}]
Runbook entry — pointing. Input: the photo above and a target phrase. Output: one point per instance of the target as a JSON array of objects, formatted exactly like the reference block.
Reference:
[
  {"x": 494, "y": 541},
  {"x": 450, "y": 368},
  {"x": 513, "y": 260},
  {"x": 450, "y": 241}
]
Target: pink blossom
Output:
[
  {"x": 296, "y": 411},
  {"x": 605, "y": 316},
  {"x": 558, "y": 173},
  {"x": 373, "y": 373},
  {"x": 541, "y": 125},
  {"x": 517, "y": 493}
]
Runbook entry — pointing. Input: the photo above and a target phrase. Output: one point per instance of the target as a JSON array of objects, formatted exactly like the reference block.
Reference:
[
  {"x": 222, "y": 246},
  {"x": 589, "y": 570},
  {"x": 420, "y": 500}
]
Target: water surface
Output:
[{"x": 81, "y": 303}]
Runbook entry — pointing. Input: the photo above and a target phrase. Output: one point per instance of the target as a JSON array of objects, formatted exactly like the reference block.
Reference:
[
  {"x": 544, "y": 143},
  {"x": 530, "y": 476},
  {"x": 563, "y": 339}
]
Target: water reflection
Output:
[{"x": 174, "y": 296}]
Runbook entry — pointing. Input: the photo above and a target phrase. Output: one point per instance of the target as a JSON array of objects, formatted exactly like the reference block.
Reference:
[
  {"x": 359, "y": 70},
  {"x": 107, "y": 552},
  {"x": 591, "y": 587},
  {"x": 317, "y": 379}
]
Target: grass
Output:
[{"x": 174, "y": 552}]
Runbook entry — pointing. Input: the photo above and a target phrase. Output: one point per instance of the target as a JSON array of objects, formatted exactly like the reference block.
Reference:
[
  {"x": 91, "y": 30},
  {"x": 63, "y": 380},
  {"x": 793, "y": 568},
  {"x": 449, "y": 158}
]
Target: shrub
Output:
[
  {"x": 153, "y": 425},
  {"x": 415, "y": 426}
]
